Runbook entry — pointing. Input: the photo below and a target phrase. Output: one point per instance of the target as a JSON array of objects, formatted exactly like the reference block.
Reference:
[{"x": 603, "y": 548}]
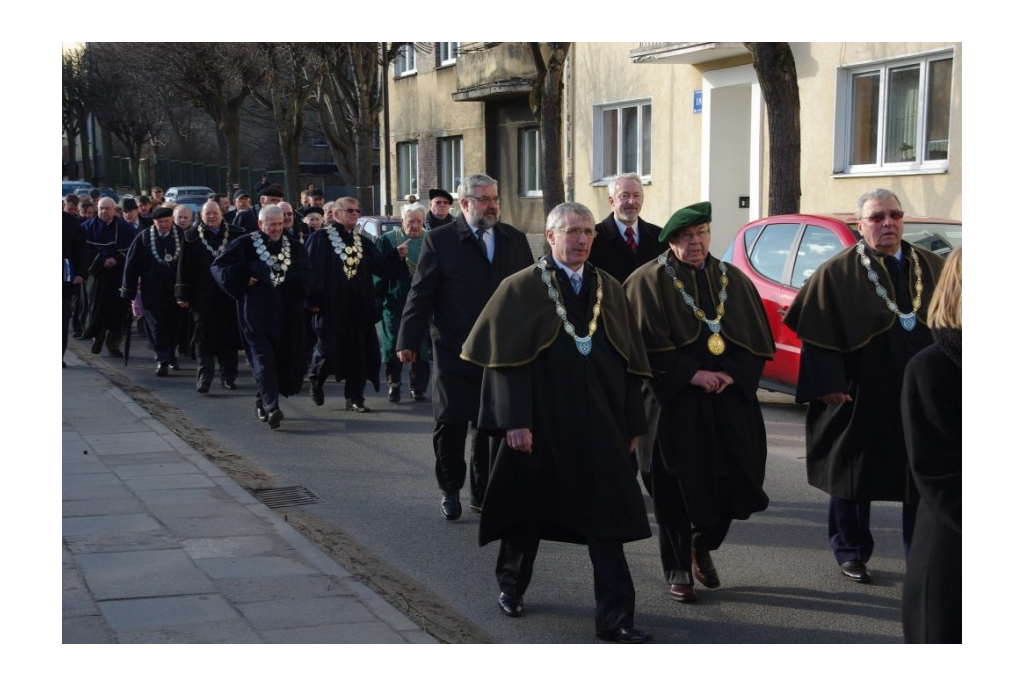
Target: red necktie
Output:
[{"x": 629, "y": 239}]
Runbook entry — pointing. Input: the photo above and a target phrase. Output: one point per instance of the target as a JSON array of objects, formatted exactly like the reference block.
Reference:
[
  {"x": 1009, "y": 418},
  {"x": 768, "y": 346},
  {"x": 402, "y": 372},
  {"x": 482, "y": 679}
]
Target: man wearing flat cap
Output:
[
  {"x": 131, "y": 213},
  {"x": 707, "y": 339},
  {"x": 440, "y": 206},
  {"x": 249, "y": 220},
  {"x": 152, "y": 266},
  {"x": 240, "y": 202}
]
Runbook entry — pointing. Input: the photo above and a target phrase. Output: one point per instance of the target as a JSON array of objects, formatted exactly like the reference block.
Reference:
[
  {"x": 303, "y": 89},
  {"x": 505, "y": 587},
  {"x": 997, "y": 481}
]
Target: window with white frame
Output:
[
  {"x": 408, "y": 169},
  {"x": 451, "y": 162},
  {"x": 529, "y": 162},
  {"x": 405, "y": 61},
  {"x": 622, "y": 139},
  {"x": 446, "y": 53},
  {"x": 895, "y": 116}
]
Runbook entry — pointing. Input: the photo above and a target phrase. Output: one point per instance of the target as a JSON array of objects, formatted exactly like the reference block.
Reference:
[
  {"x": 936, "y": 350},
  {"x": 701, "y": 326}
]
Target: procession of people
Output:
[{"x": 625, "y": 354}]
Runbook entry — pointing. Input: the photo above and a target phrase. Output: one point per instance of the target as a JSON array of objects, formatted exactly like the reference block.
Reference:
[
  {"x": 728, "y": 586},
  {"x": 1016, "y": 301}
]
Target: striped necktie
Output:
[{"x": 629, "y": 239}]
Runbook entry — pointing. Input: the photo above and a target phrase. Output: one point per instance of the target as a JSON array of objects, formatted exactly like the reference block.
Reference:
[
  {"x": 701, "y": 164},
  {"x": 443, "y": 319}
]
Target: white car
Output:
[{"x": 174, "y": 192}]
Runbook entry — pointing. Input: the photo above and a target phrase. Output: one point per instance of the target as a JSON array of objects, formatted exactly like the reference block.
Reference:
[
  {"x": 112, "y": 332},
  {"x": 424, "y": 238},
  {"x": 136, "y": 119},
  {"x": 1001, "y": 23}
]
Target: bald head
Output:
[
  {"x": 182, "y": 216},
  {"x": 105, "y": 208},
  {"x": 211, "y": 214}
]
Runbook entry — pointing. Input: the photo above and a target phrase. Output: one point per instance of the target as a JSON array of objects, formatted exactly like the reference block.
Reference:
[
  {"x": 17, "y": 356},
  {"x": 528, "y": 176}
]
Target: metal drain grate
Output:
[{"x": 291, "y": 496}]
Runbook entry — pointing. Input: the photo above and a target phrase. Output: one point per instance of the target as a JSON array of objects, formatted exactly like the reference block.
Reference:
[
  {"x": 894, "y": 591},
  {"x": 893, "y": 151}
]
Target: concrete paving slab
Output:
[
  {"x": 346, "y": 633},
  {"x": 235, "y": 632},
  {"x": 163, "y": 612},
  {"x": 173, "y": 466},
  {"x": 92, "y": 526},
  {"x": 129, "y": 442},
  {"x": 232, "y": 546},
  {"x": 169, "y": 481},
  {"x": 253, "y": 567},
  {"x": 123, "y": 542},
  {"x": 297, "y": 613},
  {"x": 145, "y": 573}
]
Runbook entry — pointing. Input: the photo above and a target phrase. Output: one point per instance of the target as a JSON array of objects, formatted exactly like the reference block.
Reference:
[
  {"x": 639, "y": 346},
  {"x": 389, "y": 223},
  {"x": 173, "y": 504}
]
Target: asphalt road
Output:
[{"x": 379, "y": 514}]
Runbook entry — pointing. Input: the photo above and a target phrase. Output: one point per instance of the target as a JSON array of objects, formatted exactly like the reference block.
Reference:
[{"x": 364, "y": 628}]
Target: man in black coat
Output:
[
  {"x": 215, "y": 336},
  {"x": 861, "y": 316},
  {"x": 440, "y": 206},
  {"x": 248, "y": 220},
  {"x": 563, "y": 361},
  {"x": 108, "y": 237},
  {"x": 152, "y": 267},
  {"x": 268, "y": 275},
  {"x": 624, "y": 241},
  {"x": 461, "y": 265},
  {"x": 76, "y": 266}
]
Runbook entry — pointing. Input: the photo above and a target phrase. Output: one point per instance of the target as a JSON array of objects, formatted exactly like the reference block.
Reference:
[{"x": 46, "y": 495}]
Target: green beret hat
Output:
[{"x": 691, "y": 215}]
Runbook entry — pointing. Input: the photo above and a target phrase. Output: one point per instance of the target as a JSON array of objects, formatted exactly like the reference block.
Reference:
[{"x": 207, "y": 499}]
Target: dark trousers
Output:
[
  {"x": 66, "y": 312},
  {"x": 613, "y": 584},
  {"x": 419, "y": 375},
  {"x": 228, "y": 367},
  {"x": 677, "y": 536},
  {"x": 262, "y": 355},
  {"x": 849, "y": 531},
  {"x": 450, "y": 451},
  {"x": 320, "y": 368}
]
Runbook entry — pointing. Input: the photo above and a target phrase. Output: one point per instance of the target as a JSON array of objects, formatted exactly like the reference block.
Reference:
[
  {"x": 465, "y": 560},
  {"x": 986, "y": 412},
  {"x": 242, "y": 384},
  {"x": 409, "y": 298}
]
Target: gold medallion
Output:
[{"x": 716, "y": 344}]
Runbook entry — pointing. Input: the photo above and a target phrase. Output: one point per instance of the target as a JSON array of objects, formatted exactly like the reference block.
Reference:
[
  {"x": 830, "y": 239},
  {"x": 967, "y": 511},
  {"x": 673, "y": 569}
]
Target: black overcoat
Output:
[
  {"x": 213, "y": 312},
  {"x": 611, "y": 253},
  {"x": 154, "y": 278},
  {"x": 933, "y": 419},
  {"x": 269, "y": 314},
  {"x": 579, "y": 482},
  {"x": 452, "y": 284},
  {"x": 104, "y": 308}
]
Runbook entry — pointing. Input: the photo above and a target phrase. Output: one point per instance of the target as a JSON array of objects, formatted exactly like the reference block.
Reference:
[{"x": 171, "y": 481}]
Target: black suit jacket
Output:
[
  {"x": 453, "y": 282},
  {"x": 611, "y": 253}
]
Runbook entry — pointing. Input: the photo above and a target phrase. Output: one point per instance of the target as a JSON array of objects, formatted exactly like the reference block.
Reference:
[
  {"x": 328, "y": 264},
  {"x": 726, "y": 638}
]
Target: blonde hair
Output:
[{"x": 944, "y": 310}]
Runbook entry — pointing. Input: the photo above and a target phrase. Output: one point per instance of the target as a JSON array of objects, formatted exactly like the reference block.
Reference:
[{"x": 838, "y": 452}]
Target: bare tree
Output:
[
  {"x": 74, "y": 117},
  {"x": 776, "y": 72},
  {"x": 349, "y": 102},
  {"x": 546, "y": 101},
  {"x": 282, "y": 78},
  {"x": 119, "y": 96}
]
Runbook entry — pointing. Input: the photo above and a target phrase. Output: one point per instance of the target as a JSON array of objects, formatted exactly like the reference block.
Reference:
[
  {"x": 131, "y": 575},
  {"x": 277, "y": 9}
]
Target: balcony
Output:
[
  {"x": 685, "y": 53},
  {"x": 492, "y": 71}
]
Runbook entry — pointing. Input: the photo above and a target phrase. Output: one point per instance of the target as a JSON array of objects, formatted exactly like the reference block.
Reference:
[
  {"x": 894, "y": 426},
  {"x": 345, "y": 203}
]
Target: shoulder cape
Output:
[
  {"x": 519, "y": 322},
  {"x": 838, "y": 308},
  {"x": 667, "y": 323}
]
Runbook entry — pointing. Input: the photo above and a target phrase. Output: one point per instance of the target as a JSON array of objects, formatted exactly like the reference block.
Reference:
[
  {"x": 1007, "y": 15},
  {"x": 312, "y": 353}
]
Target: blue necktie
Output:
[
  {"x": 480, "y": 239},
  {"x": 577, "y": 283}
]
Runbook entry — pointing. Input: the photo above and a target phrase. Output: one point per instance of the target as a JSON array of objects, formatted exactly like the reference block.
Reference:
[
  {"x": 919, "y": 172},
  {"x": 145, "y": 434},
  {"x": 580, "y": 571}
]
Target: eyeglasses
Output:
[
  {"x": 690, "y": 237},
  {"x": 878, "y": 217},
  {"x": 350, "y": 210},
  {"x": 576, "y": 231},
  {"x": 486, "y": 200}
]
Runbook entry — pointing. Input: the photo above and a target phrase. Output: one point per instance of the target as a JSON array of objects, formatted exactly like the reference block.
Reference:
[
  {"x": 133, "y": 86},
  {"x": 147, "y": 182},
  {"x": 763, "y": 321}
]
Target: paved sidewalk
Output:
[{"x": 159, "y": 546}]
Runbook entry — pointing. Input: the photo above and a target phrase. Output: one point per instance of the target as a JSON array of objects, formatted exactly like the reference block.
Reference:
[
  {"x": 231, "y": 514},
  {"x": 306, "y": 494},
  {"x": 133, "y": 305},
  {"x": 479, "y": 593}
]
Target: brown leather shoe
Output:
[
  {"x": 704, "y": 569},
  {"x": 682, "y": 593}
]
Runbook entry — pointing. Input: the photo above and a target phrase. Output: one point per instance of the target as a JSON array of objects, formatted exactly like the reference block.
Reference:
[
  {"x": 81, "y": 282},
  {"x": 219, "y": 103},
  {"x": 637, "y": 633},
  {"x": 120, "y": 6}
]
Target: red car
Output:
[{"x": 780, "y": 253}]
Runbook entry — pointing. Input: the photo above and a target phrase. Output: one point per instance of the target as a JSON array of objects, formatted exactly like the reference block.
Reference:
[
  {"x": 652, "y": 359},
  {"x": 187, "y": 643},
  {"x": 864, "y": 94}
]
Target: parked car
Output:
[
  {"x": 174, "y": 192},
  {"x": 780, "y": 253},
  {"x": 193, "y": 202},
  {"x": 72, "y": 187},
  {"x": 375, "y": 226}
]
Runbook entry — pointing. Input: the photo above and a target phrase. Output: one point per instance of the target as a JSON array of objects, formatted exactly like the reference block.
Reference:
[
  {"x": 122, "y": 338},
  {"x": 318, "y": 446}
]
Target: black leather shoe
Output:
[
  {"x": 855, "y": 571},
  {"x": 704, "y": 569},
  {"x": 394, "y": 395},
  {"x": 511, "y": 605},
  {"x": 97, "y": 345},
  {"x": 274, "y": 418},
  {"x": 451, "y": 507},
  {"x": 161, "y": 368},
  {"x": 419, "y": 396},
  {"x": 227, "y": 385},
  {"x": 316, "y": 391},
  {"x": 356, "y": 406},
  {"x": 624, "y": 636},
  {"x": 203, "y": 388},
  {"x": 261, "y": 413},
  {"x": 174, "y": 363},
  {"x": 682, "y": 593}
]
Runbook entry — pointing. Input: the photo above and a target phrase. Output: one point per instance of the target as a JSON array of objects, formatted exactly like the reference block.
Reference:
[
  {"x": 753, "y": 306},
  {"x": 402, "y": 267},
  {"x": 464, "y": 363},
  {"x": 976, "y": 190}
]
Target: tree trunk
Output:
[
  {"x": 83, "y": 139},
  {"x": 72, "y": 163},
  {"x": 776, "y": 72},
  {"x": 546, "y": 102}
]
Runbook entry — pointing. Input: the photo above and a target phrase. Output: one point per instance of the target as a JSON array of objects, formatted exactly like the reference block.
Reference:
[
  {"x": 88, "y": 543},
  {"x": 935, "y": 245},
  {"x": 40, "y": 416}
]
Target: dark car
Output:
[
  {"x": 780, "y": 253},
  {"x": 104, "y": 192},
  {"x": 68, "y": 187},
  {"x": 374, "y": 227}
]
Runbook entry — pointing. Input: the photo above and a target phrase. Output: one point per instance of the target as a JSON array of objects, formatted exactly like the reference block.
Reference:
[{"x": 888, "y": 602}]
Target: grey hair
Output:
[
  {"x": 876, "y": 194},
  {"x": 267, "y": 210},
  {"x": 628, "y": 176},
  {"x": 414, "y": 207},
  {"x": 474, "y": 181},
  {"x": 559, "y": 216}
]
